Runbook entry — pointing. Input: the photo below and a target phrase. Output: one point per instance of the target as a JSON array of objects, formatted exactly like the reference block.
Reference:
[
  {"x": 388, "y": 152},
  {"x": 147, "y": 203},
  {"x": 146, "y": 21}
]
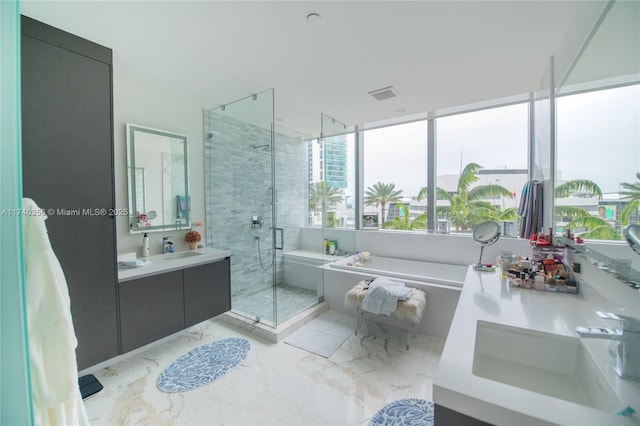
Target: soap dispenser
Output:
[{"x": 145, "y": 245}]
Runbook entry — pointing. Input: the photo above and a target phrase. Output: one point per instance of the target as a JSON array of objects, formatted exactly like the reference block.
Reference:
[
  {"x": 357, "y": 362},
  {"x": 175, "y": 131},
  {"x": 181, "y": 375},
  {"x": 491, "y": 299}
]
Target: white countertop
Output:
[
  {"x": 486, "y": 297},
  {"x": 161, "y": 263}
]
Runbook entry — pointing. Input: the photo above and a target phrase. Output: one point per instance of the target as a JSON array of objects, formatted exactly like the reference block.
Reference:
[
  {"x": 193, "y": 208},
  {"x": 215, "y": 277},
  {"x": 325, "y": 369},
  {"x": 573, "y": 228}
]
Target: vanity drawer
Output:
[
  {"x": 150, "y": 309},
  {"x": 206, "y": 292}
]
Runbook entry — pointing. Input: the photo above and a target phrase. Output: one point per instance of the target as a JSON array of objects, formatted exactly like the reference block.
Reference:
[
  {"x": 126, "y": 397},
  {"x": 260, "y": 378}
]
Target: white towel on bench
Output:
[{"x": 383, "y": 295}]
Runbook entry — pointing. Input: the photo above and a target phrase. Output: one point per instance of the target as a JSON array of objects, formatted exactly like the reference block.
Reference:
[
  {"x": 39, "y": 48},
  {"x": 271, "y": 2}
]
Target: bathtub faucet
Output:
[{"x": 628, "y": 337}]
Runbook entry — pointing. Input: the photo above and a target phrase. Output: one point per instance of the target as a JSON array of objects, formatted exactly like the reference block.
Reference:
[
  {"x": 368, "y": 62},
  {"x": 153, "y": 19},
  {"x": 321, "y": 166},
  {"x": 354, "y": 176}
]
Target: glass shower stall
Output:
[{"x": 256, "y": 202}]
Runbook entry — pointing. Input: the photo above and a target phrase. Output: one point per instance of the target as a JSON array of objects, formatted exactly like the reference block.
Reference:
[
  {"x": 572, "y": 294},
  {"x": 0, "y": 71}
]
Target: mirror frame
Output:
[
  {"x": 132, "y": 184},
  {"x": 487, "y": 226}
]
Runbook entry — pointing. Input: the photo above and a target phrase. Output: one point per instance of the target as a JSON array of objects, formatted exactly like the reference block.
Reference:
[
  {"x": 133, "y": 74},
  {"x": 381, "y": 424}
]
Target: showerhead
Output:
[{"x": 266, "y": 147}]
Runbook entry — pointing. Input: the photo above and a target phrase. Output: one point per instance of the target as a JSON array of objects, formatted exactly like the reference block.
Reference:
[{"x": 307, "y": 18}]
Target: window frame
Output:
[{"x": 432, "y": 118}]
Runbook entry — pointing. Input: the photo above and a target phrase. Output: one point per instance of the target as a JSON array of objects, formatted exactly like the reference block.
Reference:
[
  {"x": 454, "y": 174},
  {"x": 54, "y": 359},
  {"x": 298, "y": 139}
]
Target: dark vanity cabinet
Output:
[
  {"x": 67, "y": 169},
  {"x": 447, "y": 417},
  {"x": 156, "y": 306},
  {"x": 207, "y": 291},
  {"x": 150, "y": 309}
]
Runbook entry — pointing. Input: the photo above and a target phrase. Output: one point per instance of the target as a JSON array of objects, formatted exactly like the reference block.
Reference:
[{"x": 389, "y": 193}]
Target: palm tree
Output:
[
  {"x": 481, "y": 214},
  {"x": 321, "y": 194},
  {"x": 403, "y": 221},
  {"x": 632, "y": 194},
  {"x": 466, "y": 205},
  {"x": 598, "y": 229},
  {"x": 381, "y": 194},
  {"x": 581, "y": 188}
]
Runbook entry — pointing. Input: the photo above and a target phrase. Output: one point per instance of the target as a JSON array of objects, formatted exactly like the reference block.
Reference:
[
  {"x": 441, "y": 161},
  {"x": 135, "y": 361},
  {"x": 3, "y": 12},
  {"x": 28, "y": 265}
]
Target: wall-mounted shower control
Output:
[{"x": 256, "y": 221}]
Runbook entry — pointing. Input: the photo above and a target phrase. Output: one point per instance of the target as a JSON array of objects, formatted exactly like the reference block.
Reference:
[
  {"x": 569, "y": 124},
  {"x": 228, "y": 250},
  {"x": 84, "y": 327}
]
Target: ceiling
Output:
[{"x": 436, "y": 54}]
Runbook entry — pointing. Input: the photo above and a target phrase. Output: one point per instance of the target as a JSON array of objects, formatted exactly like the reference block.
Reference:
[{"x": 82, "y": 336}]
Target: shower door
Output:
[
  {"x": 240, "y": 201},
  {"x": 256, "y": 204}
]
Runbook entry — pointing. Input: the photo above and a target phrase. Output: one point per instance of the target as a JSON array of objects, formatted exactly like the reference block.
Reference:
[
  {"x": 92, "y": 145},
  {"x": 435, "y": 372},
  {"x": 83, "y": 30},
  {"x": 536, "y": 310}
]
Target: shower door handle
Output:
[{"x": 275, "y": 240}]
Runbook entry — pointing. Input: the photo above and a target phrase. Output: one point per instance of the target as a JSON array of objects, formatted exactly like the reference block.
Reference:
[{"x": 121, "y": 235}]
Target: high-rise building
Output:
[
  {"x": 328, "y": 161},
  {"x": 333, "y": 154}
]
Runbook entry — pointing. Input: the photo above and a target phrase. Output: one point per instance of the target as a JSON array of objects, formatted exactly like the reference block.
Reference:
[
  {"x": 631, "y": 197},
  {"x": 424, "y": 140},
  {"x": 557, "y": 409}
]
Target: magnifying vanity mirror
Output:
[
  {"x": 485, "y": 234},
  {"x": 158, "y": 177},
  {"x": 632, "y": 235}
]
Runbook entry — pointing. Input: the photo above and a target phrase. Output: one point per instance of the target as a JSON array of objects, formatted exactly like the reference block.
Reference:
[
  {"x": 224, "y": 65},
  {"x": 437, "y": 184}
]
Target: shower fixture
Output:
[
  {"x": 264, "y": 268},
  {"x": 256, "y": 222}
]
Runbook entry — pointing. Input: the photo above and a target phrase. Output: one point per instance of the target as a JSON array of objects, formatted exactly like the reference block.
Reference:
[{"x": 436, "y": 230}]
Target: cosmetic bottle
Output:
[{"x": 145, "y": 245}]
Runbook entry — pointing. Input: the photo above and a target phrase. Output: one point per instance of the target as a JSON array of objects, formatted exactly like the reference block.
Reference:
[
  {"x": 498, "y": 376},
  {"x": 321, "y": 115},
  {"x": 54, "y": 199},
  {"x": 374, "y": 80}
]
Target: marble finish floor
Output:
[
  {"x": 277, "y": 384},
  {"x": 290, "y": 301}
]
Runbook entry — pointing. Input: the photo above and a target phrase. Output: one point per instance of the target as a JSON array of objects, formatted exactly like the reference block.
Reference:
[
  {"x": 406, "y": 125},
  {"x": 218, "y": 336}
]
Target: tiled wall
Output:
[{"x": 238, "y": 186}]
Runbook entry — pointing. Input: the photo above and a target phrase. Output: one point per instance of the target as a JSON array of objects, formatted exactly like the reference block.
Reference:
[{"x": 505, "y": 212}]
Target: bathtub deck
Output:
[{"x": 427, "y": 272}]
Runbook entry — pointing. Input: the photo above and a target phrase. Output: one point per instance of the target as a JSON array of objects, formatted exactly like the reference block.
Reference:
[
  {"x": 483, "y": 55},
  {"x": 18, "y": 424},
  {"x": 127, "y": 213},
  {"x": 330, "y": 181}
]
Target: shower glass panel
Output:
[
  {"x": 299, "y": 280},
  {"x": 336, "y": 188},
  {"x": 256, "y": 191},
  {"x": 239, "y": 193}
]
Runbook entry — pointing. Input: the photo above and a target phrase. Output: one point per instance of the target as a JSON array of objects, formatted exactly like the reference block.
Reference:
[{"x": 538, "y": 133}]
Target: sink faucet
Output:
[
  {"x": 628, "y": 337},
  {"x": 167, "y": 245}
]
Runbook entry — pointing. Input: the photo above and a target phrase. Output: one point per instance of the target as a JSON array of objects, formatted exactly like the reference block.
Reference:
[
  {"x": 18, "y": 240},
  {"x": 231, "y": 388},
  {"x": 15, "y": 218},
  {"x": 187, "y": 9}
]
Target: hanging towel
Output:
[
  {"x": 182, "y": 204},
  {"x": 383, "y": 295},
  {"x": 52, "y": 341},
  {"x": 530, "y": 208}
]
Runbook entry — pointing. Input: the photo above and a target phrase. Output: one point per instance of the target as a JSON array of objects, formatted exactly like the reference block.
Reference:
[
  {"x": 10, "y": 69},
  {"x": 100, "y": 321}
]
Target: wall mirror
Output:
[{"x": 158, "y": 176}]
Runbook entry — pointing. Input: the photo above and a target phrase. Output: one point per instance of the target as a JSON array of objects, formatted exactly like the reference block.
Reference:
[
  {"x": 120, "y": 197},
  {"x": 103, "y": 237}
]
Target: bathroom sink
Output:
[
  {"x": 168, "y": 257},
  {"x": 553, "y": 365}
]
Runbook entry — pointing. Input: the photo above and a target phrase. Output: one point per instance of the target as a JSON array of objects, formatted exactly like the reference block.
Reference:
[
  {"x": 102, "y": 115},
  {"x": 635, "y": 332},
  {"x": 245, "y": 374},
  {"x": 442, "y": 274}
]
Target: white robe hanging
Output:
[{"x": 52, "y": 341}]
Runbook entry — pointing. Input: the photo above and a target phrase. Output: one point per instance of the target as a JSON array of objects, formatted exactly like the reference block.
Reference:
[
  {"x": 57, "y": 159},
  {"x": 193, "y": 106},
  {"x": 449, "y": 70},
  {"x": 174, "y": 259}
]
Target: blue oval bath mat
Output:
[
  {"x": 203, "y": 365},
  {"x": 405, "y": 412}
]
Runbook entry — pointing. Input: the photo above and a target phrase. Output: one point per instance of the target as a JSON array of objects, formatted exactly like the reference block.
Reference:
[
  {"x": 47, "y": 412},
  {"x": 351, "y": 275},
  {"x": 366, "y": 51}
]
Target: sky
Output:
[
  {"x": 398, "y": 154},
  {"x": 599, "y": 135}
]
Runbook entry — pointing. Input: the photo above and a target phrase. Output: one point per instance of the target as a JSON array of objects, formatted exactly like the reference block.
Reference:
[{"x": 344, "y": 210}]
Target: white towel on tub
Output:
[
  {"x": 52, "y": 339},
  {"x": 383, "y": 295}
]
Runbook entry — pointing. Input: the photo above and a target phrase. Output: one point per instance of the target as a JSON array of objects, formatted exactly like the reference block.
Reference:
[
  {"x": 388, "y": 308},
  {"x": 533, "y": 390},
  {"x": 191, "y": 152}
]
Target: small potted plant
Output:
[{"x": 193, "y": 237}]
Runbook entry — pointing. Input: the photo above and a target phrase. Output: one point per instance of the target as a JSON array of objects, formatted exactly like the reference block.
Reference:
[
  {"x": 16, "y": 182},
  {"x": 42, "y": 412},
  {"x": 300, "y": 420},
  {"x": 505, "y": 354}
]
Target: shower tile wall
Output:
[{"x": 238, "y": 186}]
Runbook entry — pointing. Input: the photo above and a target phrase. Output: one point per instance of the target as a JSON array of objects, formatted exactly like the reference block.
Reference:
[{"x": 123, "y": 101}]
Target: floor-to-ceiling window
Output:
[
  {"x": 331, "y": 165},
  {"x": 395, "y": 173},
  {"x": 481, "y": 168},
  {"x": 481, "y": 165},
  {"x": 598, "y": 161}
]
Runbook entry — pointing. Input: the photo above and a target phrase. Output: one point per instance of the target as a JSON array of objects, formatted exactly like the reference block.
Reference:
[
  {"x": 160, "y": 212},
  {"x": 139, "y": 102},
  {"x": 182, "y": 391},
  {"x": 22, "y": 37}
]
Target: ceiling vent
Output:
[{"x": 384, "y": 93}]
